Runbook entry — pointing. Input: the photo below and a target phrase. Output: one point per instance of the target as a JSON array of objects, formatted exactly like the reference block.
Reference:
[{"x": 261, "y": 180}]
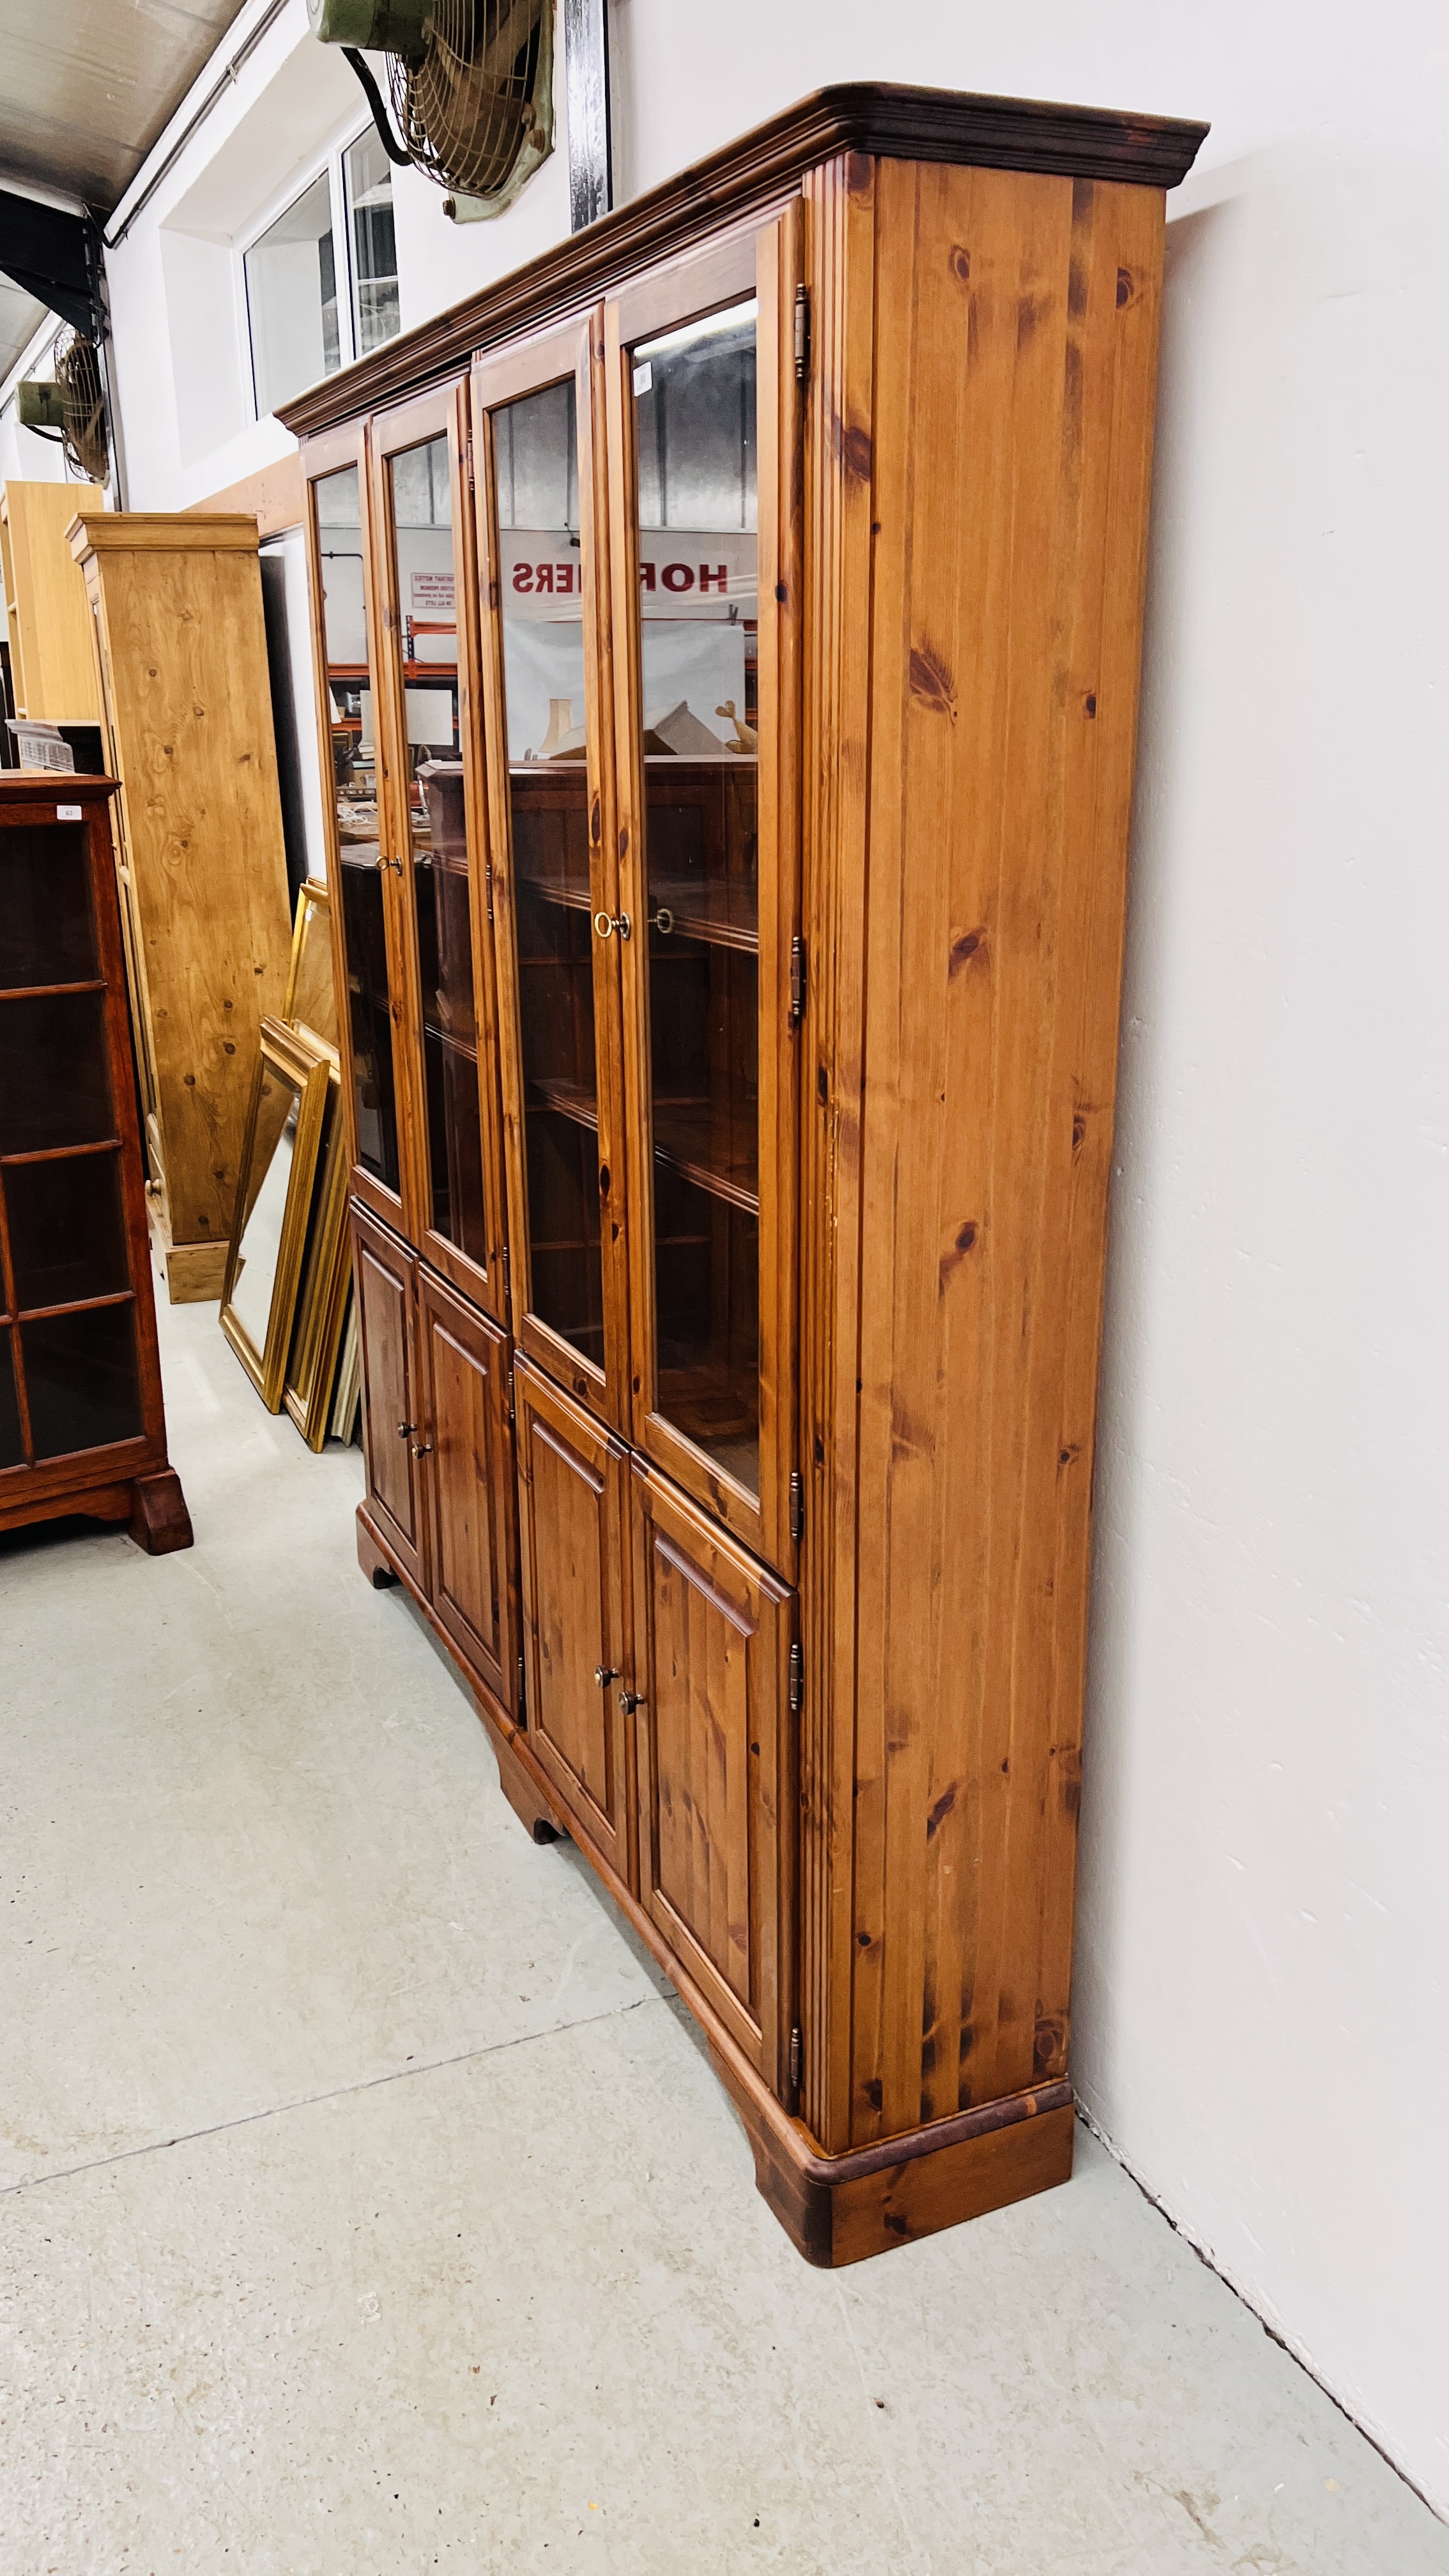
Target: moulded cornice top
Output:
[
  {"x": 195, "y": 532},
  {"x": 857, "y": 116}
]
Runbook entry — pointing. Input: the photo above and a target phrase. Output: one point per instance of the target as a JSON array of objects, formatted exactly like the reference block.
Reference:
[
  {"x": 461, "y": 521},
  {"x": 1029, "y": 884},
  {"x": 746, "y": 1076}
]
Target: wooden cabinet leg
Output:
[
  {"x": 370, "y": 1556},
  {"x": 160, "y": 1521},
  {"x": 534, "y": 1811}
]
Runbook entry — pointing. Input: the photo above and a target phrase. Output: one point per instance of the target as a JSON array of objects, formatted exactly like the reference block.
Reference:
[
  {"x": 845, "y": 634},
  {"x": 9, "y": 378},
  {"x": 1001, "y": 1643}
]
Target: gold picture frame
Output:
[
  {"x": 295, "y": 1072},
  {"x": 321, "y": 1306},
  {"x": 311, "y": 1001}
]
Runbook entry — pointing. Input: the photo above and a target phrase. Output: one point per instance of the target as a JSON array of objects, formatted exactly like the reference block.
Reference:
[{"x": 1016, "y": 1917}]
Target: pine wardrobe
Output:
[{"x": 727, "y": 647}]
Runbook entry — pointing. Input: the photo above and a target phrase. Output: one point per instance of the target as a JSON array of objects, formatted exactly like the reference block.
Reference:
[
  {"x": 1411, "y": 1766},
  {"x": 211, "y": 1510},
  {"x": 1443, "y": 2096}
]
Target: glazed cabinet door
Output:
[
  {"x": 711, "y": 1672},
  {"x": 543, "y": 544},
  {"x": 705, "y": 510},
  {"x": 367, "y": 927},
  {"x": 434, "y": 835},
  {"x": 571, "y": 1499},
  {"x": 470, "y": 1482},
  {"x": 384, "y": 1278}
]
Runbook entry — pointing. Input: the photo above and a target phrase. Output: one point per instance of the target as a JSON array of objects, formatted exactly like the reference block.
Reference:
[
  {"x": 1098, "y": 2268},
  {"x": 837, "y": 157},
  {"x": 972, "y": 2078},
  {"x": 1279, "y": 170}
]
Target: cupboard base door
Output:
[
  {"x": 711, "y": 1667},
  {"x": 465, "y": 1372},
  {"x": 571, "y": 1496},
  {"x": 385, "y": 1277}
]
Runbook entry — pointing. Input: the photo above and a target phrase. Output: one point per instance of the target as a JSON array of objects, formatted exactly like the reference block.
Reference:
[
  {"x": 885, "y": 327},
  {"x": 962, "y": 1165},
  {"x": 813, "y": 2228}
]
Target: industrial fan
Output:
[
  {"x": 71, "y": 406},
  {"x": 472, "y": 88}
]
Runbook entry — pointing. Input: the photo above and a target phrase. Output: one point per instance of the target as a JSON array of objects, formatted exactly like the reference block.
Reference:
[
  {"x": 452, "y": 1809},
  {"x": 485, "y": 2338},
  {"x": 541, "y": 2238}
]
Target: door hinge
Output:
[
  {"x": 797, "y": 1679},
  {"x": 797, "y": 2054},
  {"x": 522, "y": 1689},
  {"x": 802, "y": 334},
  {"x": 488, "y": 882},
  {"x": 797, "y": 1505},
  {"x": 512, "y": 1403},
  {"x": 797, "y": 978}
]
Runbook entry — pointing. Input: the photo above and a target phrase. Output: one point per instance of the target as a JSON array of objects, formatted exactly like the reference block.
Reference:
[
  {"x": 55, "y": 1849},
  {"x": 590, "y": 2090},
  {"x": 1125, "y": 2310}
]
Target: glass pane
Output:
[
  {"x": 422, "y": 521},
  {"x": 292, "y": 299},
  {"x": 349, "y": 690},
  {"x": 314, "y": 997},
  {"x": 543, "y": 668},
  {"x": 80, "y": 1376},
  {"x": 368, "y": 175},
  {"x": 694, "y": 400},
  {"x": 12, "y": 1447},
  {"x": 55, "y": 1079},
  {"x": 268, "y": 1178},
  {"x": 67, "y": 1230},
  {"x": 47, "y": 926}
]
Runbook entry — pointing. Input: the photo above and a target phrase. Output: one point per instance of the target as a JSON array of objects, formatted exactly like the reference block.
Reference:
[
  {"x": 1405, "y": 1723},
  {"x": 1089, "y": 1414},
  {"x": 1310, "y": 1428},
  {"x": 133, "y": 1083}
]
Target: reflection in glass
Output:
[
  {"x": 311, "y": 992},
  {"x": 694, "y": 396},
  {"x": 349, "y": 689},
  {"x": 422, "y": 536},
  {"x": 47, "y": 926},
  {"x": 12, "y": 1447},
  {"x": 268, "y": 1178},
  {"x": 55, "y": 1079},
  {"x": 67, "y": 1230},
  {"x": 536, "y": 463},
  {"x": 81, "y": 1379}
]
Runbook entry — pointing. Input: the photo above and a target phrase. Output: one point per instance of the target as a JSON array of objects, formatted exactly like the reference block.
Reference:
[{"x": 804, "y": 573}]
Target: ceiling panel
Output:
[
  {"x": 20, "y": 319},
  {"x": 90, "y": 84}
]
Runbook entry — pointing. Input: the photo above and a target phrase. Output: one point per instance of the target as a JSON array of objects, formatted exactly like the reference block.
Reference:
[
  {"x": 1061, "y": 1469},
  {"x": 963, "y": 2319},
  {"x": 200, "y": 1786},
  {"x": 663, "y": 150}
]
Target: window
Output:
[
  {"x": 321, "y": 280},
  {"x": 291, "y": 277},
  {"x": 367, "y": 176}
]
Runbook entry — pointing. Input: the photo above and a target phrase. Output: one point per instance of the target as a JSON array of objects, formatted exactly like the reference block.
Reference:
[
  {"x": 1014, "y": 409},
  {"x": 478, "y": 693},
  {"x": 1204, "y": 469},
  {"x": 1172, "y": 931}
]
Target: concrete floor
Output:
[{"x": 367, "y": 2205}]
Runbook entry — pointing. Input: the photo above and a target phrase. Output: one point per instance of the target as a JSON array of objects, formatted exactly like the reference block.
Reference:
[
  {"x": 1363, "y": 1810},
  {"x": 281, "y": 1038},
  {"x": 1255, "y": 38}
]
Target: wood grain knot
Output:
[
  {"x": 958, "y": 260},
  {"x": 1089, "y": 702},
  {"x": 931, "y": 681},
  {"x": 966, "y": 945},
  {"x": 859, "y": 172},
  {"x": 852, "y": 449},
  {"x": 1031, "y": 312},
  {"x": 873, "y": 2093},
  {"x": 1049, "y": 2044},
  {"x": 941, "y": 1811},
  {"x": 962, "y": 1242},
  {"x": 1126, "y": 287}
]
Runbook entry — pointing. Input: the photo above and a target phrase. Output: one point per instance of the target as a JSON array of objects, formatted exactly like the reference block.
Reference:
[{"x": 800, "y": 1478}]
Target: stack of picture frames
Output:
[{"x": 286, "y": 1304}]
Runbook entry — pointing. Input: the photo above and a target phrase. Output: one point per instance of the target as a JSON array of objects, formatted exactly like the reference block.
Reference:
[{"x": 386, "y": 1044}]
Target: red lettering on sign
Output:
[
  {"x": 678, "y": 577},
  {"x": 646, "y": 576},
  {"x": 523, "y": 576},
  {"x": 545, "y": 577},
  {"x": 720, "y": 579},
  {"x": 565, "y": 580}
]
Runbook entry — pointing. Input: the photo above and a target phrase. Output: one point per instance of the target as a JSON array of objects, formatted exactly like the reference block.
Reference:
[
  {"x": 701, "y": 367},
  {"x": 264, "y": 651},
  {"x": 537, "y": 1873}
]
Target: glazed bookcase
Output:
[{"x": 727, "y": 648}]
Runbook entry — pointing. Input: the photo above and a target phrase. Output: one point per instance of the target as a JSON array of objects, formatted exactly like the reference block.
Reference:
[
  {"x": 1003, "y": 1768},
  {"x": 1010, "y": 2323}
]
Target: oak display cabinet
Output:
[{"x": 727, "y": 663}]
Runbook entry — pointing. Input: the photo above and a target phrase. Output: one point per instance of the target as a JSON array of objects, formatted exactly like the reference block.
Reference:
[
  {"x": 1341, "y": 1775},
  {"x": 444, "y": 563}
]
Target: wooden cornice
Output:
[{"x": 742, "y": 179}]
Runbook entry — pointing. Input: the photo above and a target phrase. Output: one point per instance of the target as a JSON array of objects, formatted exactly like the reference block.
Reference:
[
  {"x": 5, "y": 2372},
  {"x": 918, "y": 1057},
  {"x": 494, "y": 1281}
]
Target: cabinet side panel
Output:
[
  {"x": 192, "y": 719},
  {"x": 1014, "y": 368},
  {"x": 840, "y": 253}
]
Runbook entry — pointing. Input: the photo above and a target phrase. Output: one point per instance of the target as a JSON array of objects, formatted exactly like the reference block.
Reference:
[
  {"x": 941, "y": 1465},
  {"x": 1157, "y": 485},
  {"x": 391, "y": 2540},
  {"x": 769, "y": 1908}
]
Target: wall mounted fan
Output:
[
  {"x": 472, "y": 88},
  {"x": 71, "y": 406}
]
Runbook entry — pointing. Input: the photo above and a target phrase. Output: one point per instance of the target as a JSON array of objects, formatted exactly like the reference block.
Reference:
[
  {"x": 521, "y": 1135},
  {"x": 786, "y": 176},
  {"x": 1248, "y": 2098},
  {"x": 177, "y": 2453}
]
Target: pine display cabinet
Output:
[{"x": 727, "y": 662}]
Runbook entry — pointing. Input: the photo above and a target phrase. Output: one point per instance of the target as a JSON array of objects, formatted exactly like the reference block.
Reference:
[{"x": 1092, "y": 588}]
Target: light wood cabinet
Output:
[
  {"x": 52, "y": 660},
  {"x": 180, "y": 653},
  {"x": 727, "y": 658}
]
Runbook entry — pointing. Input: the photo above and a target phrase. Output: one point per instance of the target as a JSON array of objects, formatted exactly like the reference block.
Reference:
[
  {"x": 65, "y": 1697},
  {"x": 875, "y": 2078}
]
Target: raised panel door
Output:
[
  {"x": 465, "y": 1367},
  {"x": 711, "y": 1645},
  {"x": 384, "y": 1281},
  {"x": 571, "y": 1481}
]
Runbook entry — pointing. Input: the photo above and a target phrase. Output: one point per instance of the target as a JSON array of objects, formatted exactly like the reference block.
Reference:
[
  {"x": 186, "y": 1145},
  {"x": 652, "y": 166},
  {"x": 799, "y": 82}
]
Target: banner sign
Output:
[{"x": 683, "y": 572}]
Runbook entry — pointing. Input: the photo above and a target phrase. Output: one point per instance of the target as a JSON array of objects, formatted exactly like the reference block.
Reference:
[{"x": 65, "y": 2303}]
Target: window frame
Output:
[{"x": 331, "y": 163}]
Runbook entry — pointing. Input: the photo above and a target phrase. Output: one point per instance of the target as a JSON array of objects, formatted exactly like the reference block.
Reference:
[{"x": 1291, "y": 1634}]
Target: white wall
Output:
[{"x": 1263, "y": 1945}]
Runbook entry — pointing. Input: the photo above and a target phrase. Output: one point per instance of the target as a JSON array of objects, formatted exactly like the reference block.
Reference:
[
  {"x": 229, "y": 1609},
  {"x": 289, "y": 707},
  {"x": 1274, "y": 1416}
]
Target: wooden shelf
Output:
[
  {"x": 572, "y": 893},
  {"x": 681, "y": 1140},
  {"x": 724, "y": 914}
]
